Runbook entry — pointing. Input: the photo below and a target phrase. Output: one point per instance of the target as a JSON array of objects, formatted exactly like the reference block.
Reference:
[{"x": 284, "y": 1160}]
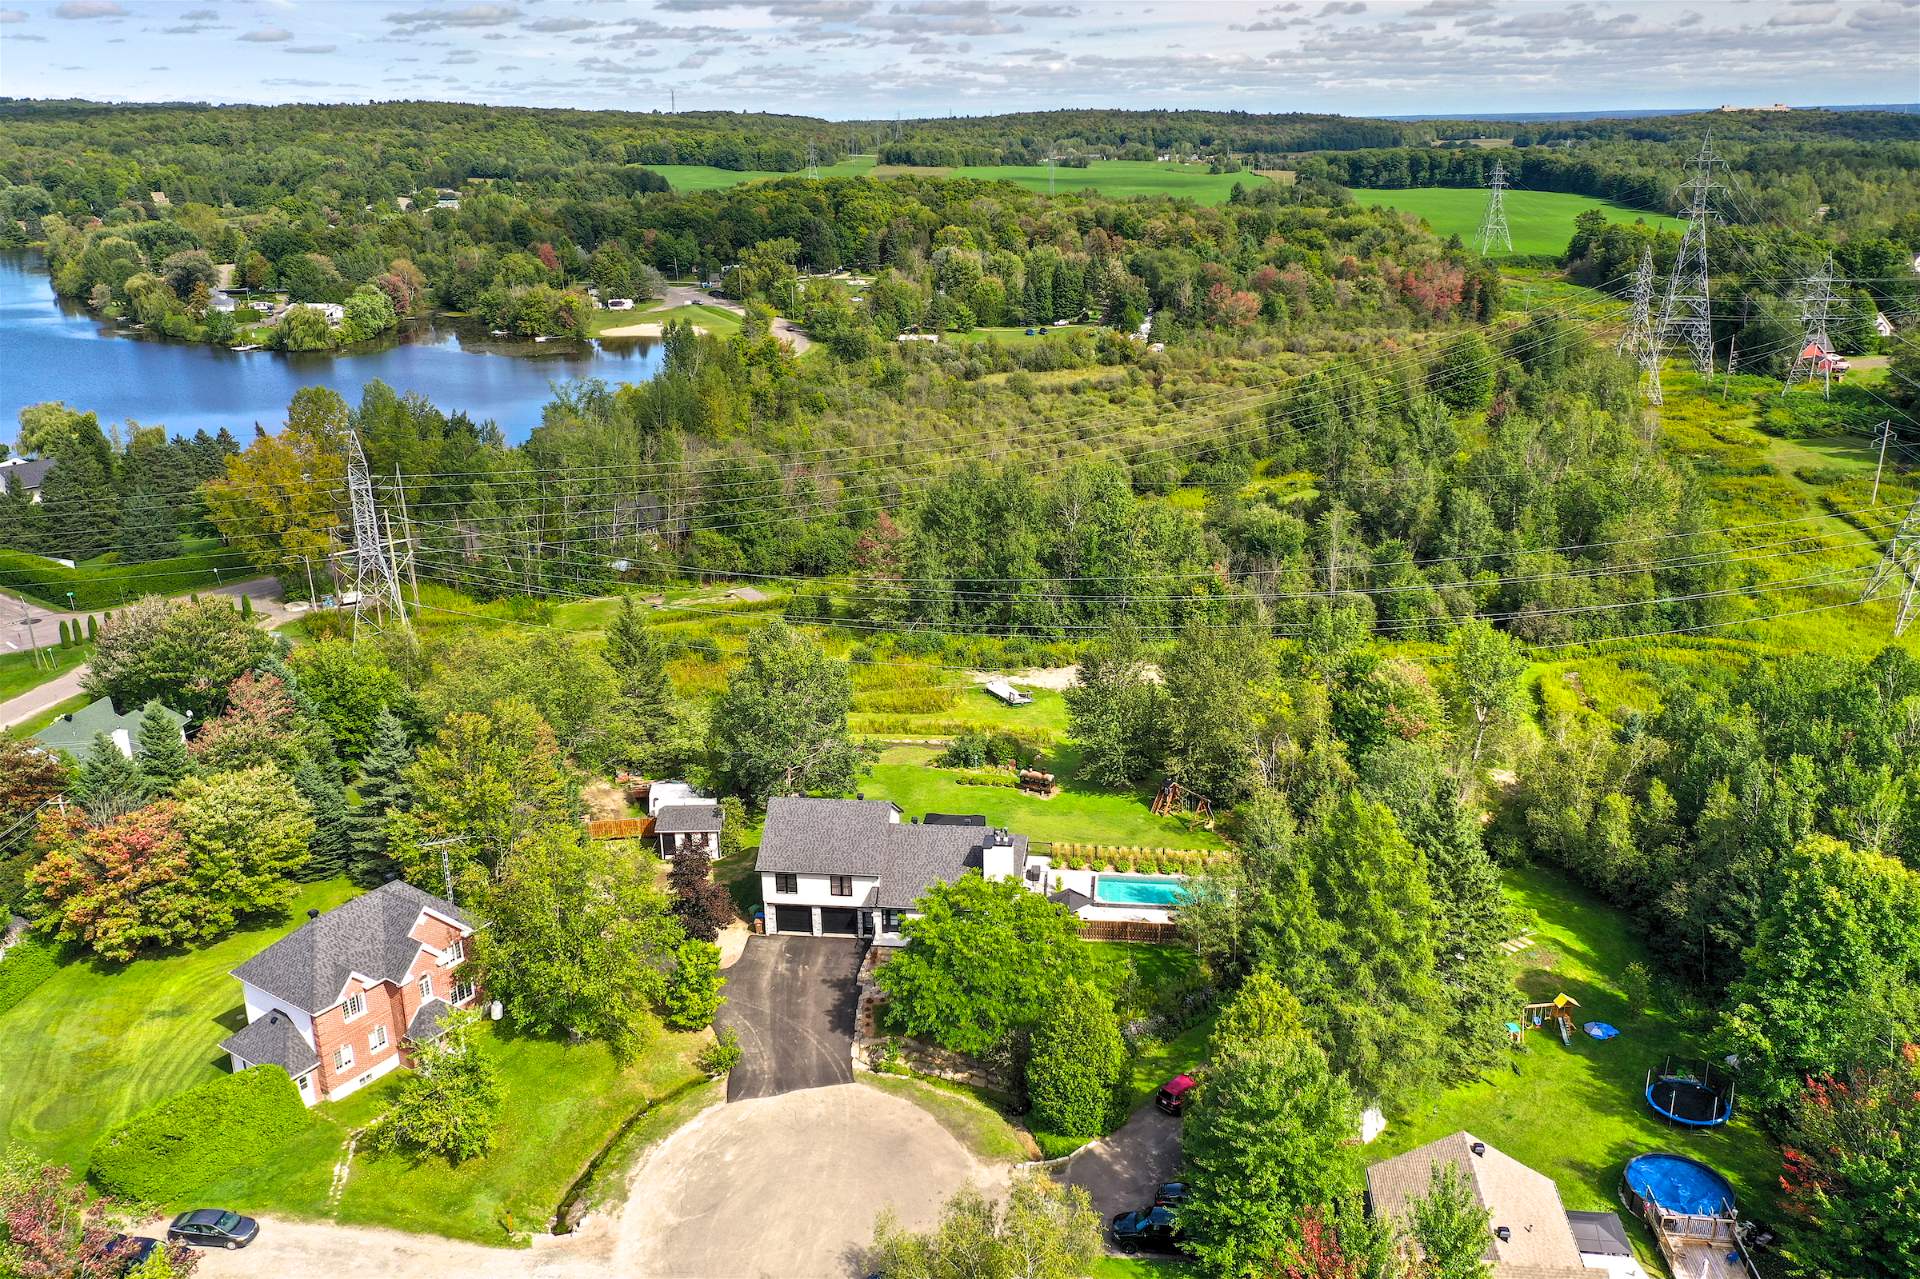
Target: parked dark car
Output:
[
  {"x": 1172, "y": 1096},
  {"x": 213, "y": 1228},
  {"x": 127, "y": 1252},
  {"x": 1170, "y": 1195},
  {"x": 1148, "y": 1229}
]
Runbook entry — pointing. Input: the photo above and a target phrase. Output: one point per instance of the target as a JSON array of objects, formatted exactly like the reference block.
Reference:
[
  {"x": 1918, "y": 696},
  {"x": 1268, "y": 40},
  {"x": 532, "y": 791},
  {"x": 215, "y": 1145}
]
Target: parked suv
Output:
[
  {"x": 1151, "y": 1229},
  {"x": 1172, "y": 1096},
  {"x": 213, "y": 1228}
]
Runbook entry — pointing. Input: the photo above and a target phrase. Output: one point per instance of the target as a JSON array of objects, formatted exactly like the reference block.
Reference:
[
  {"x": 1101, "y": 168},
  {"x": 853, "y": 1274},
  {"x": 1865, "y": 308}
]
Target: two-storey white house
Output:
[{"x": 853, "y": 868}]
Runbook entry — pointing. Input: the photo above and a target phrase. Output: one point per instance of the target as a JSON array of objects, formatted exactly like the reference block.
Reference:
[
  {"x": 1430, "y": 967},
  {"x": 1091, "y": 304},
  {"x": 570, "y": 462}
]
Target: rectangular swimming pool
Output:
[{"x": 1138, "y": 890}]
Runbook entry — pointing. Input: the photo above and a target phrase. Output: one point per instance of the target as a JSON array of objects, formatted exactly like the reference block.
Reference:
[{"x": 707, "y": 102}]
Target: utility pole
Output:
[
  {"x": 1733, "y": 362},
  {"x": 1903, "y": 553},
  {"x": 1493, "y": 227},
  {"x": 1816, "y": 348},
  {"x": 1886, "y": 433},
  {"x": 376, "y": 584},
  {"x": 1640, "y": 343},
  {"x": 1688, "y": 310}
]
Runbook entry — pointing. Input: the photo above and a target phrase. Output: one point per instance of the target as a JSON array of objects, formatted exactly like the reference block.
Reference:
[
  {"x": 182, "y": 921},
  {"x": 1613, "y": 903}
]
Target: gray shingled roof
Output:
[
  {"x": 309, "y": 966},
  {"x": 429, "y": 1020},
  {"x": 687, "y": 819},
  {"x": 1540, "y": 1245},
  {"x": 28, "y": 475},
  {"x": 862, "y": 837},
  {"x": 74, "y": 732},
  {"x": 273, "y": 1040}
]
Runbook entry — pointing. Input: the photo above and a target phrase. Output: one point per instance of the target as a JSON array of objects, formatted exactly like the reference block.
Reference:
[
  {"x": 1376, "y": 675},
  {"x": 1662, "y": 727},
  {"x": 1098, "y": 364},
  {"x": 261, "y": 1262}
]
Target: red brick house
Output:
[{"x": 338, "y": 1000}]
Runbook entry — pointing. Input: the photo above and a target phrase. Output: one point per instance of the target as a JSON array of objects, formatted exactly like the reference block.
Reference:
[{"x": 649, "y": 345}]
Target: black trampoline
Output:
[{"x": 1698, "y": 1101}]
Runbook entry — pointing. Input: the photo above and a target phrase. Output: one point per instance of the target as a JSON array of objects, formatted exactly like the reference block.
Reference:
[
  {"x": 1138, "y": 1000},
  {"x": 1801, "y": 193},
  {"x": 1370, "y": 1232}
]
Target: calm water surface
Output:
[{"x": 52, "y": 349}]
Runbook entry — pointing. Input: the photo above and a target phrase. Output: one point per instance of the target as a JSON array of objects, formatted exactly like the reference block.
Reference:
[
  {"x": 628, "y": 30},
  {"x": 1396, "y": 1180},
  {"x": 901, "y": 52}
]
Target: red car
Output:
[{"x": 1172, "y": 1096}]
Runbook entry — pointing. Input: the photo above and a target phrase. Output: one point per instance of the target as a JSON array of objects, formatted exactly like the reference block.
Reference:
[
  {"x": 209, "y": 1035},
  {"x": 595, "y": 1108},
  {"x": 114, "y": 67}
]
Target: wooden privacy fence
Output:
[
  {"x": 620, "y": 828},
  {"x": 1128, "y": 930}
]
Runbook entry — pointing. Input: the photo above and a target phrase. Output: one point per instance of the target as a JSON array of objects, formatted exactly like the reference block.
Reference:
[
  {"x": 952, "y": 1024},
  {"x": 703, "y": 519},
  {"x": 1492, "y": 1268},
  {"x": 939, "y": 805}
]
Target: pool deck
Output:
[
  {"x": 1698, "y": 1259},
  {"x": 1085, "y": 882}
]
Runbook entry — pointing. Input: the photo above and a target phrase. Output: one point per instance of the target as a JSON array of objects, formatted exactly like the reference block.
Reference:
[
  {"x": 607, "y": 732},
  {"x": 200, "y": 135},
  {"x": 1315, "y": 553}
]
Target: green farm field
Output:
[
  {"x": 1541, "y": 221},
  {"x": 1120, "y": 178}
]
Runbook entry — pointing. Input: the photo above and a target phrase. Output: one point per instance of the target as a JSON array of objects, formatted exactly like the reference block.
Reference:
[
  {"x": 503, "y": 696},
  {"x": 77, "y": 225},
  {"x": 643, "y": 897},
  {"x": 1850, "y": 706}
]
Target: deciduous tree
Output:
[
  {"x": 1074, "y": 1063},
  {"x": 186, "y": 653},
  {"x": 1046, "y": 1231},
  {"x": 1450, "y": 1227},
  {"x": 780, "y": 727},
  {"x": 450, "y": 1103},
  {"x": 693, "y": 988}
]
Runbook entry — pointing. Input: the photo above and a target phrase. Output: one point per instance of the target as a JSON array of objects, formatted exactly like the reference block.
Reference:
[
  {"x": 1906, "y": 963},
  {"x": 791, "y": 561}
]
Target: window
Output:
[
  {"x": 354, "y": 1006},
  {"x": 342, "y": 1057},
  {"x": 457, "y": 952},
  {"x": 890, "y": 920},
  {"x": 786, "y": 883},
  {"x": 426, "y": 986},
  {"x": 462, "y": 992},
  {"x": 377, "y": 1040},
  {"x": 840, "y": 885}
]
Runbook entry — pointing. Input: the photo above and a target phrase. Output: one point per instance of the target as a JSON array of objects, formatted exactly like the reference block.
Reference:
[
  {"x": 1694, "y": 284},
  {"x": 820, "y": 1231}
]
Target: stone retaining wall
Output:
[{"x": 870, "y": 1047}]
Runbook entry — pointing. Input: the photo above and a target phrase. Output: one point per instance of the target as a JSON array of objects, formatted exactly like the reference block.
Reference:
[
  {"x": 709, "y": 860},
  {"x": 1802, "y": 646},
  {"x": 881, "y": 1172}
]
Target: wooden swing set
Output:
[{"x": 1174, "y": 797}]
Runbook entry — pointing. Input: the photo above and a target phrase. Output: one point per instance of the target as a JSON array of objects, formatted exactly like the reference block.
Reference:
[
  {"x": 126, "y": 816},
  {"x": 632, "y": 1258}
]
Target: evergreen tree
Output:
[
  {"x": 1075, "y": 1062},
  {"x": 146, "y": 528},
  {"x": 107, "y": 785},
  {"x": 328, "y": 848},
  {"x": 383, "y": 791},
  {"x": 1114, "y": 712},
  {"x": 163, "y": 759},
  {"x": 93, "y": 628}
]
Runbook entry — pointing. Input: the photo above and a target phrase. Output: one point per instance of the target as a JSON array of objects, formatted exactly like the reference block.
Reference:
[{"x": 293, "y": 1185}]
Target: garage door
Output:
[
  {"x": 840, "y": 921},
  {"x": 793, "y": 919}
]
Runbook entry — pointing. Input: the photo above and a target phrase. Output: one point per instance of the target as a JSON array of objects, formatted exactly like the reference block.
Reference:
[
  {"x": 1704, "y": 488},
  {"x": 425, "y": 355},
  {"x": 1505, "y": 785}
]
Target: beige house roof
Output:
[{"x": 1540, "y": 1243}]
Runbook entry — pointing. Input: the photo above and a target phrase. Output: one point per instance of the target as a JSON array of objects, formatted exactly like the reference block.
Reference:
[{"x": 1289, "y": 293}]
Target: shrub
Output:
[
  {"x": 1075, "y": 1063},
  {"x": 720, "y": 1056},
  {"x": 986, "y": 777},
  {"x": 196, "y": 1137},
  {"x": 24, "y": 967},
  {"x": 969, "y": 750},
  {"x": 693, "y": 988},
  {"x": 450, "y": 1102}
]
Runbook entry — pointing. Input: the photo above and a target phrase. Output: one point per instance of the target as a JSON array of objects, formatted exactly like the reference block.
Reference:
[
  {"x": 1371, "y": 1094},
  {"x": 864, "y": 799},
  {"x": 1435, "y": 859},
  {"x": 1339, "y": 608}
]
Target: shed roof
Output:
[
  {"x": 1540, "y": 1243},
  {"x": 679, "y": 819},
  {"x": 369, "y": 935},
  {"x": 74, "y": 732}
]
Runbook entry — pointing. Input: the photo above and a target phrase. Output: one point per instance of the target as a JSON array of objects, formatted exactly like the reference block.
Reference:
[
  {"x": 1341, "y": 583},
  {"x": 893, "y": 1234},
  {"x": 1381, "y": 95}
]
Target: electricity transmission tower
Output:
[
  {"x": 1688, "y": 309},
  {"x": 1640, "y": 342},
  {"x": 376, "y": 580},
  {"x": 1816, "y": 349},
  {"x": 1903, "y": 553},
  {"x": 1493, "y": 227},
  {"x": 813, "y": 163}
]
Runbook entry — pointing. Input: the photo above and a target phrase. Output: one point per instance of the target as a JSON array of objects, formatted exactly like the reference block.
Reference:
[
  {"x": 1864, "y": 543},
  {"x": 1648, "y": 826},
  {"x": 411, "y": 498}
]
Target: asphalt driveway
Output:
[
  {"x": 1121, "y": 1171},
  {"x": 791, "y": 1000}
]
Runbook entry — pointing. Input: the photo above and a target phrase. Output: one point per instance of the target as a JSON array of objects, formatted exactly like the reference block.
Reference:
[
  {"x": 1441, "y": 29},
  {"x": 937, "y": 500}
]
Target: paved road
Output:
[
  {"x": 791, "y": 1000},
  {"x": 267, "y": 606},
  {"x": 1122, "y": 1171},
  {"x": 782, "y": 1186}
]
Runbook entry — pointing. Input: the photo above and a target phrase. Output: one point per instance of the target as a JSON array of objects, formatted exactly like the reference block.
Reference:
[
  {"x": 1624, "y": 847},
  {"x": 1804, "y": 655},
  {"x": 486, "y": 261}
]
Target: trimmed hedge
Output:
[
  {"x": 27, "y": 963},
  {"x": 198, "y": 1136},
  {"x": 103, "y": 584}
]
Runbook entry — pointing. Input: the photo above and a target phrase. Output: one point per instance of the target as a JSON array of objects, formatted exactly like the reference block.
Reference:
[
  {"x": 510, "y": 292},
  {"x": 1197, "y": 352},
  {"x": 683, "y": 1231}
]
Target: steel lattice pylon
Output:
[
  {"x": 1816, "y": 348},
  {"x": 1640, "y": 342},
  {"x": 1903, "y": 553},
  {"x": 1493, "y": 226},
  {"x": 376, "y": 582},
  {"x": 1688, "y": 310}
]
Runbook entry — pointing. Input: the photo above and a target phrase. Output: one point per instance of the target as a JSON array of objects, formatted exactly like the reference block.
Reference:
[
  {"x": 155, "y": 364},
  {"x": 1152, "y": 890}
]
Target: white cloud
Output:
[
  {"x": 11, "y": 16},
  {"x": 266, "y": 35},
  {"x": 473, "y": 15},
  {"x": 89, "y": 9},
  {"x": 311, "y": 48}
]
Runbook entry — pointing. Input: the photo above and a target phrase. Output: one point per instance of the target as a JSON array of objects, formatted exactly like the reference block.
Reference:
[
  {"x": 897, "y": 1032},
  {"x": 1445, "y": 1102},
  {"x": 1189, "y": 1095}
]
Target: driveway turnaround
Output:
[
  {"x": 791, "y": 1001},
  {"x": 788, "y": 1187},
  {"x": 1122, "y": 1171},
  {"x": 782, "y": 1187}
]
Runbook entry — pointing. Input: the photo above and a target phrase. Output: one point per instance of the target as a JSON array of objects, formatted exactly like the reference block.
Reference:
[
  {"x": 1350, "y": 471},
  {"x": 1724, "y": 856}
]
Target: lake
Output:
[{"x": 55, "y": 349}]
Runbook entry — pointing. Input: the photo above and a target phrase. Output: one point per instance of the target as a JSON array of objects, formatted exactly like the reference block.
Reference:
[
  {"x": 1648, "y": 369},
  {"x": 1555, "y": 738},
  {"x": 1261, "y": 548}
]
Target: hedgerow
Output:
[
  {"x": 198, "y": 1136},
  {"x": 29, "y": 962}
]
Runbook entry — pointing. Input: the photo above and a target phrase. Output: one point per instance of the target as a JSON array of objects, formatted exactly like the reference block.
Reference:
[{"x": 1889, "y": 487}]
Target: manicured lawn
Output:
[
  {"x": 98, "y": 1042},
  {"x": 701, "y": 177},
  {"x": 919, "y": 704},
  {"x": 19, "y": 672},
  {"x": 1121, "y": 178},
  {"x": 564, "y": 1102},
  {"x": 1017, "y": 335},
  {"x": 1075, "y": 815},
  {"x": 1579, "y": 1113},
  {"x": 974, "y": 1123},
  {"x": 1139, "y": 1268},
  {"x": 1540, "y": 221}
]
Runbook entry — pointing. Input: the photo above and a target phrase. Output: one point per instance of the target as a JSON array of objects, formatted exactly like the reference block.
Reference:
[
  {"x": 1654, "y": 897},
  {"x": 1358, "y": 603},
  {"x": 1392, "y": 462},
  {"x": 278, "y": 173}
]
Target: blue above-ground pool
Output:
[
  {"x": 1138, "y": 890},
  {"x": 1679, "y": 1184}
]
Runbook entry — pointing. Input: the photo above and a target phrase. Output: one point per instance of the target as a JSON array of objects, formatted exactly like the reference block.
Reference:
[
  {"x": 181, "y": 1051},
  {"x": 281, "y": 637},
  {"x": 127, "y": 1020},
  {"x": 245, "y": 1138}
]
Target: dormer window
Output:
[{"x": 355, "y": 1005}]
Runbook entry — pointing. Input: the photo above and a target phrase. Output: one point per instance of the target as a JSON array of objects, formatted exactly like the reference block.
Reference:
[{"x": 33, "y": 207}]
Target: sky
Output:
[{"x": 874, "y": 59}]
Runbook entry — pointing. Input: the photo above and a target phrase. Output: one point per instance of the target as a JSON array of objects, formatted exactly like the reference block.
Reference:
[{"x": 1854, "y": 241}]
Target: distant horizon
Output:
[
  {"x": 1490, "y": 117},
  {"x": 923, "y": 59}
]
